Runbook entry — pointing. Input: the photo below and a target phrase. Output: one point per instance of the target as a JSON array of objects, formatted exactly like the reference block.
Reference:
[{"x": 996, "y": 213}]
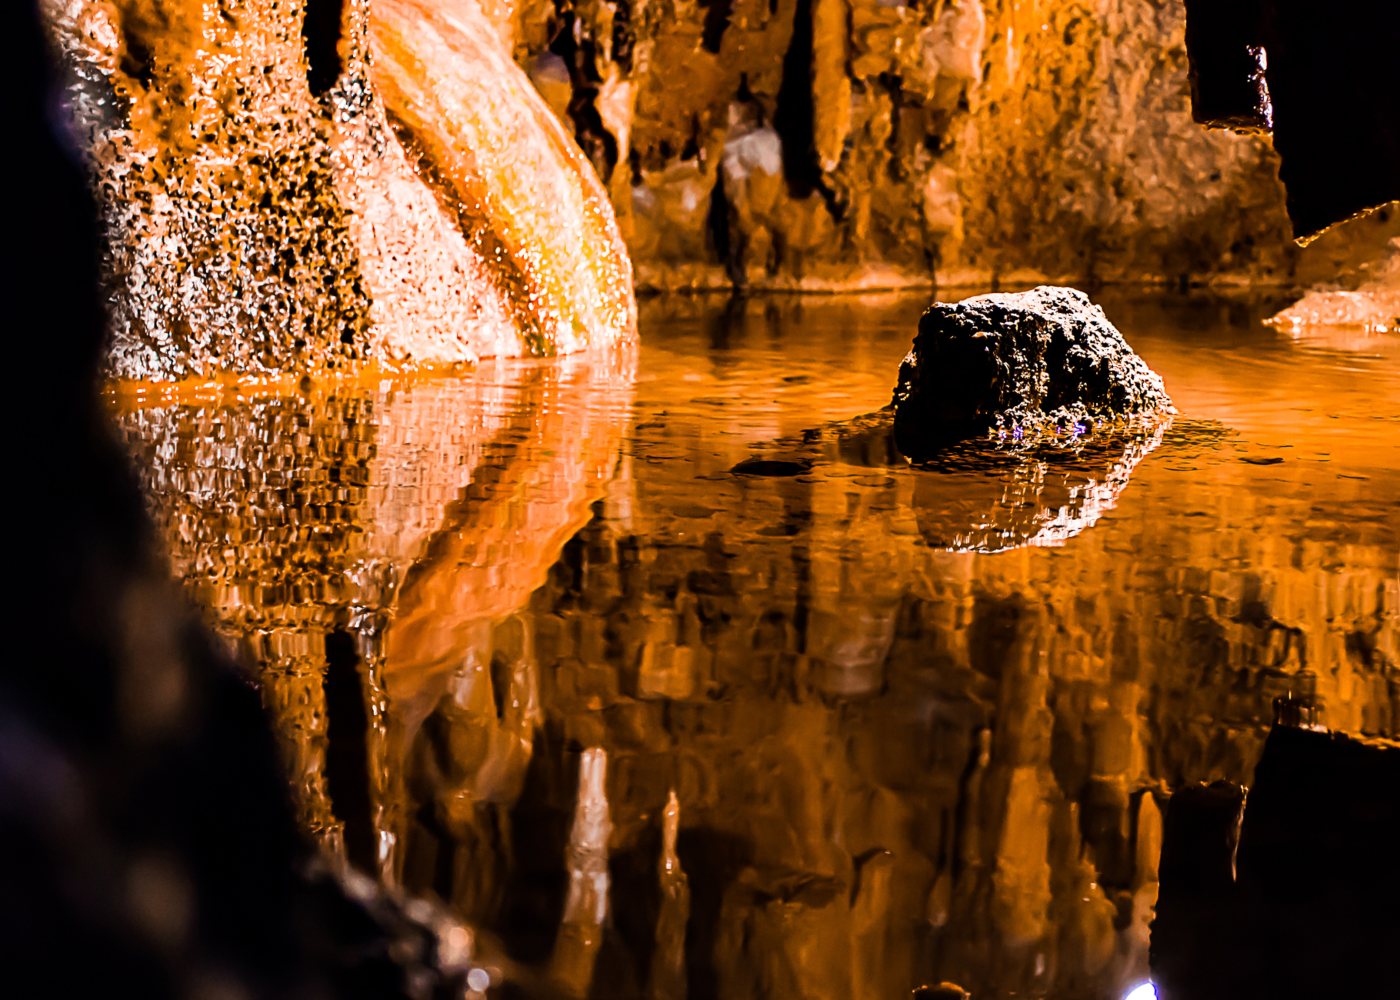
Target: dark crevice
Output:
[
  {"x": 137, "y": 58},
  {"x": 624, "y": 40},
  {"x": 893, "y": 86},
  {"x": 320, "y": 28},
  {"x": 717, "y": 226},
  {"x": 794, "y": 118},
  {"x": 723, "y": 856},
  {"x": 717, "y": 15},
  {"x": 347, "y": 748},
  {"x": 580, "y": 56}
]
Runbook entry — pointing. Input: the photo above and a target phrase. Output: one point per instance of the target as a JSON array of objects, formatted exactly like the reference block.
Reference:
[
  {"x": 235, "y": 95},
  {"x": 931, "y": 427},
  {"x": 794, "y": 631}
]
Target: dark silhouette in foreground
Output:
[
  {"x": 1288, "y": 889},
  {"x": 146, "y": 837}
]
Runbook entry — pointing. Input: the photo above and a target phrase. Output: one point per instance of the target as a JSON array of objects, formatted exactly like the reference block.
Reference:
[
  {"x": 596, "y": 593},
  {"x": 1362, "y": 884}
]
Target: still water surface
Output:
[{"x": 679, "y": 682}]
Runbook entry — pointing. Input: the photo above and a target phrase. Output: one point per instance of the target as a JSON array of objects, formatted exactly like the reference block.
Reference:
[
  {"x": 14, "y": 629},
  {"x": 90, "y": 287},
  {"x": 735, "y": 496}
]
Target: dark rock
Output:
[
  {"x": 1297, "y": 897},
  {"x": 771, "y": 467},
  {"x": 1191, "y": 928},
  {"x": 1022, "y": 366}
]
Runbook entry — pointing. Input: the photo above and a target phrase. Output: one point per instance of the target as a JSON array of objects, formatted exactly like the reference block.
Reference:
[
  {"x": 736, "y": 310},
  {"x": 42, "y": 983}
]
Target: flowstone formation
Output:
[
  {"x": 1025, "y": 367},
  {"x": 1373, "y": 305},
  {"x": 848, "y": 143},
  {"x": 267, "y": 210}
]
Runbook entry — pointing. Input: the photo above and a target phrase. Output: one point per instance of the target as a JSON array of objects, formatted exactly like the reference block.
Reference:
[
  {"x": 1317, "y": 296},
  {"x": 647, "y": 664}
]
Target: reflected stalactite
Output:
[
  {"x": 666, "y": 977},
  {"x": 331, "y": 514},
  {"x": 293, "y": 693},
  {"x": 586, "y": 861}
]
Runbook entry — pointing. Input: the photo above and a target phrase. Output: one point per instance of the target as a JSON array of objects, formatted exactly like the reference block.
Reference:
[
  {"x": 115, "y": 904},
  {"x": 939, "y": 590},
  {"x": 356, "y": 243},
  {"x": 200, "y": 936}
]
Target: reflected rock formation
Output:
[
  {"x": 292, "y": 186},
  {"x": 898, "y": 764},
  {"x": 989, "y": 496},
  {"x": 316, "y": 527},
  {"x": 992, "y": 501},
  {"x": 840, "y": 760}
]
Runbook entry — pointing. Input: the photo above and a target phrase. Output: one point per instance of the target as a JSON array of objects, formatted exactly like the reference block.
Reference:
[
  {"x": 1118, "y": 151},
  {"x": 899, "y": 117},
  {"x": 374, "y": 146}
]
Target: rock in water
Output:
[{"x": 1023, "y": 366}]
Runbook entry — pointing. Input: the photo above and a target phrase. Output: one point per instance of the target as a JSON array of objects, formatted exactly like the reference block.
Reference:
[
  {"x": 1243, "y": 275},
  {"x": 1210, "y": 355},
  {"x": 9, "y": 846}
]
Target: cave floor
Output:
[{"x": 912, "y": 724}]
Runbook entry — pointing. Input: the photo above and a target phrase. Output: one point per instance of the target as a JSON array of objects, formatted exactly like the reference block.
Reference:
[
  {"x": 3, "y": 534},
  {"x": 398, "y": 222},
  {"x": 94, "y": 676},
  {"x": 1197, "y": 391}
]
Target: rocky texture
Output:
[
  {"x": 266, "y": 210},
  {"x": 144, "y": 822},
  {"x": 815, "y": 145},
  {"x": 1371, "y": 304},
  {"x": 846, "y": 143},
  {"x": 1021, "y": 366},
  {"x": 1291, "y": 891}
]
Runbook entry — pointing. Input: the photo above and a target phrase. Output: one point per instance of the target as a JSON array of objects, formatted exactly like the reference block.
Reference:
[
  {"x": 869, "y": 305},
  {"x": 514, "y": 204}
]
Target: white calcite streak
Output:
[{"x": 401, "y": 196}]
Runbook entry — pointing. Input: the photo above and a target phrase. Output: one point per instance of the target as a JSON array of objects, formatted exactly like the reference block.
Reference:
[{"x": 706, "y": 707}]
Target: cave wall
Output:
[
  {"x": 296, "y": 185},
  {"x": 779, "y": 143}
]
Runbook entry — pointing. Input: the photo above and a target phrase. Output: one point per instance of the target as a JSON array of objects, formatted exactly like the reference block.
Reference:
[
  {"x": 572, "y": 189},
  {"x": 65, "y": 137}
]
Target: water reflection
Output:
[
  {"x": 322, "y": 529},
  {"x": 733, "y": 734},
  {"x": 982, "y": 495}
]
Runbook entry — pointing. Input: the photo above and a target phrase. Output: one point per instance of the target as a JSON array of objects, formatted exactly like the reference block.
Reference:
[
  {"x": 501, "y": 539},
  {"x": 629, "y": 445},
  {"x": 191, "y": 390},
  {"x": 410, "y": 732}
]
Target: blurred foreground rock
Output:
[
  {"x": 147, "y": 844},
  {"x": 1022, "y": 365},
  {"x": 1290, "y": 891}
]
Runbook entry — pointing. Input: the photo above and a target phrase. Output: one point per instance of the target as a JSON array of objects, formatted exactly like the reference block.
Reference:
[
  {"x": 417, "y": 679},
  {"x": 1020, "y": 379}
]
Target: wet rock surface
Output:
[
  {"x": 1022, "y": 366},
  {"x": 293, "y": 188}
]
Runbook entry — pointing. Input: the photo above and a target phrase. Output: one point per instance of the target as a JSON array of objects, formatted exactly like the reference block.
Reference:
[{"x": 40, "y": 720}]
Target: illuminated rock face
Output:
[
  {"x": 268, "y": 212},
  {"x": 1372, "y": 306},
  {"x": 961, "y": 140}
]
